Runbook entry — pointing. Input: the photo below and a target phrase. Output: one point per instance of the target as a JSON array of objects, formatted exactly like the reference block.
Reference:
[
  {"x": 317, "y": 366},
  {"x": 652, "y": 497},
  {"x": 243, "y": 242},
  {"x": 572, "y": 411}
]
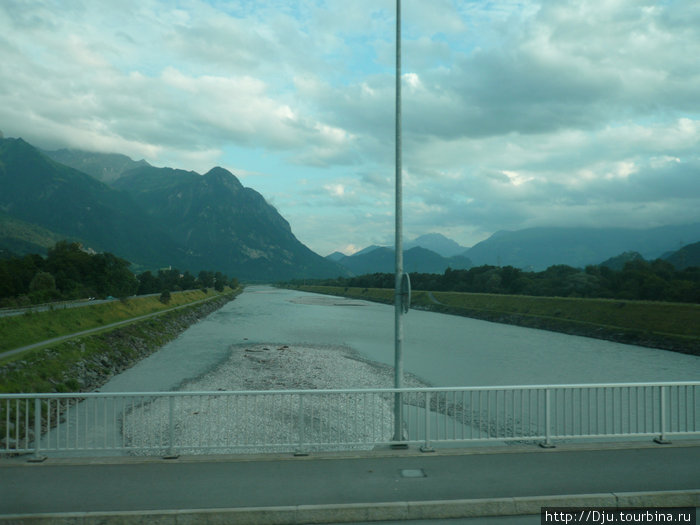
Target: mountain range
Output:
[
  {"x": 536, "y": 249},
  {"x": 162, "y": 217},
  {"x": 417, "y": 259},
  {"x": 154, "y": 217}
]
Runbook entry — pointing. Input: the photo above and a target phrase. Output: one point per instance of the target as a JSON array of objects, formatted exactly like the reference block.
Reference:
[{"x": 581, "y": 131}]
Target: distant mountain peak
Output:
[
  {"x": 106, "y": 167},
  {"x": 382, "y": 259},
  {"x": 368, "y": 249},
  {"x": 218, "y": 171},
  {"x": 618, "y": 262},
  {"x": 225, "y": 178},
  {"x": 438, "y": 243}
]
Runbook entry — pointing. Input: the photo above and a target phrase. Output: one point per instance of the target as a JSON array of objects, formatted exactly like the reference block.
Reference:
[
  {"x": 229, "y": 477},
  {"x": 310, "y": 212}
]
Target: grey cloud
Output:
[
  {"x": 378, "y": 180},
  {"x": 674, "y": 182},
  {"x": 519, "y": 112}
]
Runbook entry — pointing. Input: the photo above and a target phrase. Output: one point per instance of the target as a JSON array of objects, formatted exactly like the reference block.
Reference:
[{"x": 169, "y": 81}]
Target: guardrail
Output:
[{"x": 301, "y": 421}]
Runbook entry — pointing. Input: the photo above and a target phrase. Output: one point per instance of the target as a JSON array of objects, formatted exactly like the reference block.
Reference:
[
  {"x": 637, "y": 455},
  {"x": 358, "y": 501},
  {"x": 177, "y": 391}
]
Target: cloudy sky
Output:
[{"x": 517, "y": 113}]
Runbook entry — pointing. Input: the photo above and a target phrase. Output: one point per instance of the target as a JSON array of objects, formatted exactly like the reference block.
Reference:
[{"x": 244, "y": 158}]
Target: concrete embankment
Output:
[{"x": 86, "y": 363}]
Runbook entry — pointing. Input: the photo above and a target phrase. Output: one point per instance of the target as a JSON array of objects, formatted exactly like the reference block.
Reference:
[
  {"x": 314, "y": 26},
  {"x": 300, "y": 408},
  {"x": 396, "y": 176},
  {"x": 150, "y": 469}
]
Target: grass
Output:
[
  {"x": 49, "y": 370},
  {"x": 675, "y": 326},
  {"x": 659, "y": 317},
  {"x": 59, "y": 367},
  {"x": 33, "y": 327}
]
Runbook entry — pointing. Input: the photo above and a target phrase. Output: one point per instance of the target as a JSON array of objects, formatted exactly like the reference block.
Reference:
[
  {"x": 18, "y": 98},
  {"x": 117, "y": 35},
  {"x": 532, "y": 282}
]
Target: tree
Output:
[
  {"x": 188, "y": 281},
  {"x": 169, "y": 279},
  {"x": 43, "y": 287},
  {"x": 111, "y": 276},
  {"x": 148, "y": 283},
  {"x": 70, "y": 265},
  {"x": 206, "y": 279}
]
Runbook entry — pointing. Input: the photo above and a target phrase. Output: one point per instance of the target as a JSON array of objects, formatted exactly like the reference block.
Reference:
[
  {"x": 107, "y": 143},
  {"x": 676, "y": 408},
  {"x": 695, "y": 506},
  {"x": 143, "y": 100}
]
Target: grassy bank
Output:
[
  {"x": 85, "y": 363},
  {"x": 33, "y": 327},
  {"x": 671, "y": 326}
]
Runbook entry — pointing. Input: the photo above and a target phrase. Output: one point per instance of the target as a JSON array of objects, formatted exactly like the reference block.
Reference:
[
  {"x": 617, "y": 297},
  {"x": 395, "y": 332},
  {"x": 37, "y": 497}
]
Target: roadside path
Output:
[
  {"x": 48, "y": 342},
  {"x": 432, "y": 298}
]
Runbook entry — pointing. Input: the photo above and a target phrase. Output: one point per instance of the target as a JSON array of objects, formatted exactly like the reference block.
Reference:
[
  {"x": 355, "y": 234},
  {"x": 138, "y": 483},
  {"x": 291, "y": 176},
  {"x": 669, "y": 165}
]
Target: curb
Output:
[{"x": 359, "y": 512}]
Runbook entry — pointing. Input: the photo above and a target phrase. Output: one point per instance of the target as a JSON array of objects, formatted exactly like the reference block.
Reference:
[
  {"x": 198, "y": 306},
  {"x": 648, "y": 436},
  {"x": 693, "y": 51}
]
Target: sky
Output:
[{"x": 516, "y": 113}]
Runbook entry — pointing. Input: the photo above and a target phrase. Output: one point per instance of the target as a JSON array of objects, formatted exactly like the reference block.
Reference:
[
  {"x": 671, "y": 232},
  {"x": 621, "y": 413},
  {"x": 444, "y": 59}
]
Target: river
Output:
[{"x": 439, "y": 349}]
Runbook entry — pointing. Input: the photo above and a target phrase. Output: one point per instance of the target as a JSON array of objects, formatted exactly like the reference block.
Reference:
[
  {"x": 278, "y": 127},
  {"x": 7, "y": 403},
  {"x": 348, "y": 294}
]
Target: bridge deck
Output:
[{"x": 138, "y": 484}]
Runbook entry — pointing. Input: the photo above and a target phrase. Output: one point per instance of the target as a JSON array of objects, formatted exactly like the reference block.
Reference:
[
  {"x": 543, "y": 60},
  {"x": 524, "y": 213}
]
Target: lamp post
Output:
[{"x": 399, "y": 297}]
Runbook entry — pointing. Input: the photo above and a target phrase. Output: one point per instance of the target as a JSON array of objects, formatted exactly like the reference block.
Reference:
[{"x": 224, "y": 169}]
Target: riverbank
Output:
[
  {"x": 667, "y": 326},
  {"x": 86, "y": 363},
  {"x": 59, "y": 320}
]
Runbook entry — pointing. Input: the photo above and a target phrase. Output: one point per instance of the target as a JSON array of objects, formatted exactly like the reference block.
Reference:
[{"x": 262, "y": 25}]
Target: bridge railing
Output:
[{"x": 301, "y": 421}]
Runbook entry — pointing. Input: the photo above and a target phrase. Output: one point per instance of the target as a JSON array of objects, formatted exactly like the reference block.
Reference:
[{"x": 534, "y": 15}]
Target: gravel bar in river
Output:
[{"x": 225, "y": 422}]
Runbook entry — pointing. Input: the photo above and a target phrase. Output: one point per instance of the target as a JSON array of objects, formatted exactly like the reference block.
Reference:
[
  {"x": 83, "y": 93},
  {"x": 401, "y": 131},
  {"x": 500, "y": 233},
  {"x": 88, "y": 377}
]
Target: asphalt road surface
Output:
[{"x": 133, "y": 484}]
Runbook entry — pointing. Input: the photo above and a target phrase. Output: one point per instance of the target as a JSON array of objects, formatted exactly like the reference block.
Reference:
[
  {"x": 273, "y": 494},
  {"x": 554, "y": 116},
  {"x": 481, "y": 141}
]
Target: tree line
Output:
[
  {"x": 655, "y": 280},
  {"x": 69, "y": 272}
]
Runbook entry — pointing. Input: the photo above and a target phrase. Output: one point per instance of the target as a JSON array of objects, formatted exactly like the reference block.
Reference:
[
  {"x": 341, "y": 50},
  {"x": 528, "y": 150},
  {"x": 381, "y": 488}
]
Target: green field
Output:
[
  {"x": 673, "y": 326},
  {"x": 34, "y": 327}
]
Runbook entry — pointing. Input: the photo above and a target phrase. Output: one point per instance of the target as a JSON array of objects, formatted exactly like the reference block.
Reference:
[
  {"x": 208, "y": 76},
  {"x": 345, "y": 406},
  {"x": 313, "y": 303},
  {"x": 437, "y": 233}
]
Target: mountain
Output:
[
  {"x": 618, "y": 263},
  {"x": 422, "y": 260},
  {"x": 17, "y": 236},
  {"x": 538, "y": 248},
  {"x": 223, "y": 224},
  {"x": 416, "y": 260},
  {"x": 368, "y": 249},
  {"x": 438, "y": 243},
  {"x": 435, "y": 242},
  {"x": 335, "y": 256},
  {"x": 378, "y": 260},
  {"x": 153, "y": 217},
  {"x": 106, "y": 167},
  {"x": 73, "y": 205},
  {"x": 685, "y": 257}
]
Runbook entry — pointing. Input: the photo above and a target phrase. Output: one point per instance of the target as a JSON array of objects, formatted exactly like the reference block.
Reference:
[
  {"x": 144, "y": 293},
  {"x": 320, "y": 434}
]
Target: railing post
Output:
[
  {"x": 547, "y": 420},
  {"x": 426, "y": 447},
  {"x": 661, "y": 440},
  {"x": 37, "y": 457},
  {"x": 398, "y": 440},
  {"x": 300, "y": 448},
  {"x": 171, "y": 454}
]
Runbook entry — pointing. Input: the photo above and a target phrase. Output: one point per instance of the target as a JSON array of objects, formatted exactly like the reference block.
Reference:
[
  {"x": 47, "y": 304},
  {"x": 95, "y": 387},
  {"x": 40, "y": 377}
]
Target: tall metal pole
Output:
[{"x": 398, "y": 244}]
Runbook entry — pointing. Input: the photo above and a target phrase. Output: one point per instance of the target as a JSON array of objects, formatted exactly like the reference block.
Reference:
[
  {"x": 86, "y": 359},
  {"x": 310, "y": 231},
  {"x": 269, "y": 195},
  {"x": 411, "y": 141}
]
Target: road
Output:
[
  {"x": 9, "y": 312},
  {"x": 387, "y": 477}
]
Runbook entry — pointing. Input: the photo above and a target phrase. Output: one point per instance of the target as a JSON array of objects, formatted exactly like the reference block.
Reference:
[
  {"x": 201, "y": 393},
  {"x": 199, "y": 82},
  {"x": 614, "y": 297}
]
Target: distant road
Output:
[
  {"x": 59, "y": 306},
  {"x": 54, "y": 306},
  {"x": 97, "y": 329}
]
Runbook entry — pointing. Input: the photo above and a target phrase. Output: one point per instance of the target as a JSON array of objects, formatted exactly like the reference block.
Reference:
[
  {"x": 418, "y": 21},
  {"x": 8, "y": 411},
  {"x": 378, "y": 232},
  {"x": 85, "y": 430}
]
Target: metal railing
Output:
[{"x": 301, "y": 421}]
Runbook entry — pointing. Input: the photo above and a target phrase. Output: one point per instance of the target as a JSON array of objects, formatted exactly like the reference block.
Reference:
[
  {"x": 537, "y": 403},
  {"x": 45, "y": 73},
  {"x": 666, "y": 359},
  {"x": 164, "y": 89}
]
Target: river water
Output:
[
  {"x": 439, "y": 349},
  {"x": 284, "y": 339}
]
